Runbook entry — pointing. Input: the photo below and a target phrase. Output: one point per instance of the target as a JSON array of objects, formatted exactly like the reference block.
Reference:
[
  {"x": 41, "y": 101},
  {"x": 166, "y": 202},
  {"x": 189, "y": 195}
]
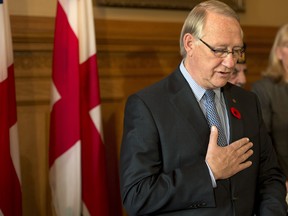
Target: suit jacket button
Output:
[{"x": 203, "y": 204}]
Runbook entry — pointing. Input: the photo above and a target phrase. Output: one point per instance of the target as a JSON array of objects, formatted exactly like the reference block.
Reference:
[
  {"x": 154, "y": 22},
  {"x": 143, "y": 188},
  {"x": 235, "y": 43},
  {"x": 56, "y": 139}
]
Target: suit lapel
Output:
[
  {"x": 185, "y": 103},
  {"x": 233, "y": 109}
]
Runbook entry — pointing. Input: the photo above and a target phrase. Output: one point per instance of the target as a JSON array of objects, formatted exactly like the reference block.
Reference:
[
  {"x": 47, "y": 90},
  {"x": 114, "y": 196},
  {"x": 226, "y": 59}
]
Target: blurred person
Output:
[
  {"x": 193, "y": 143},
  {"x": 272, "y": 90},
  {"x": 238, "y": 76}
]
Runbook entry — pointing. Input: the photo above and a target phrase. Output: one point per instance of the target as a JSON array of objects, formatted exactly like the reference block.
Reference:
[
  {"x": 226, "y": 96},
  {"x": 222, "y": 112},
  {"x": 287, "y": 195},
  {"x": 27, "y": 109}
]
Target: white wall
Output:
[{"x": 258, "y": 12}]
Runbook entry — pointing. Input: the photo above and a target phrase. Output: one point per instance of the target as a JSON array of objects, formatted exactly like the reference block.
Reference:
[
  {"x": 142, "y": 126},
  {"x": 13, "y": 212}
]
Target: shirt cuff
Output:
[{"x": 211, "y": 176}]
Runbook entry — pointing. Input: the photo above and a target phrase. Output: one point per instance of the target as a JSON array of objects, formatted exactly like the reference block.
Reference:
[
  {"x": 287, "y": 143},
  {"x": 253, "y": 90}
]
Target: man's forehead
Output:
[{"x": 218, "y": 24}]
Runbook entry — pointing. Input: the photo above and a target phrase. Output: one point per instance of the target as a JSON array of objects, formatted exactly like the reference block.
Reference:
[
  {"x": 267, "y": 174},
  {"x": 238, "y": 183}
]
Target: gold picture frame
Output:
[{"x": 237, "y": 5}]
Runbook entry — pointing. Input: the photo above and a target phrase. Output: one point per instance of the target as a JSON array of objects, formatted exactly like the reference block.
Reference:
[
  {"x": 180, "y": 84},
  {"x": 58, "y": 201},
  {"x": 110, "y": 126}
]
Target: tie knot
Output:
[{"x": 210, "y": 95}]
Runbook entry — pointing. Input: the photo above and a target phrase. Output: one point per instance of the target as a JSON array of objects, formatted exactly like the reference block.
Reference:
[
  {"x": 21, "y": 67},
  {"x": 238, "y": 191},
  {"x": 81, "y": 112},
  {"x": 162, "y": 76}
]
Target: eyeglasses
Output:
[{"x": 222, "y": 53}]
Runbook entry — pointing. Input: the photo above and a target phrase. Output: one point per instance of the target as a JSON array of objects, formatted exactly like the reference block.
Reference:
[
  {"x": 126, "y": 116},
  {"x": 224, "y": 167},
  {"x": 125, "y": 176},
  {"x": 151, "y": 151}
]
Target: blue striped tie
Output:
[{"x": 213, "y": 117}]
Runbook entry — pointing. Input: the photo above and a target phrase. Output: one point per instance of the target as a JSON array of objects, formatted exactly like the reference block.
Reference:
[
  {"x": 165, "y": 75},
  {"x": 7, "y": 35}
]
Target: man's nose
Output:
[{"x": 229, "y": 61}]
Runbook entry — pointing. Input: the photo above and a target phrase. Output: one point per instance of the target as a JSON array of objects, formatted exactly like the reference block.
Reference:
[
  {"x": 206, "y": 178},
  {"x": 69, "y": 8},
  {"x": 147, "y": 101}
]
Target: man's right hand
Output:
[{"x": 225, "y": 162}]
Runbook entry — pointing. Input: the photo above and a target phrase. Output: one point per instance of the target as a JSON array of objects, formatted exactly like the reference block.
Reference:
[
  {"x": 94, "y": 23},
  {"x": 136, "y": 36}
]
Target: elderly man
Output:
[{"x": 194, "y": 144}]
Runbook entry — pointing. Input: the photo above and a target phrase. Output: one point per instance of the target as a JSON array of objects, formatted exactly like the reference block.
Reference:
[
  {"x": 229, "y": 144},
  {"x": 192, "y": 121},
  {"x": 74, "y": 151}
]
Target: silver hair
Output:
[{"x": 195, "y": 20}]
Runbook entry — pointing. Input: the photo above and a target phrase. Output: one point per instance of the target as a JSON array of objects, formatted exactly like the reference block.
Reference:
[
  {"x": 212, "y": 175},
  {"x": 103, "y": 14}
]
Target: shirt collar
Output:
[{"x": 197, "y": 89}]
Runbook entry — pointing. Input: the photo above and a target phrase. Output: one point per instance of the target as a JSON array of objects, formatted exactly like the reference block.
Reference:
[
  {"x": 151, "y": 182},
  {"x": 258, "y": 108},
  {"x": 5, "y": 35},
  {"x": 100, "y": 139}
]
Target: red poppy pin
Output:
[{"x": 235, "y": 113}]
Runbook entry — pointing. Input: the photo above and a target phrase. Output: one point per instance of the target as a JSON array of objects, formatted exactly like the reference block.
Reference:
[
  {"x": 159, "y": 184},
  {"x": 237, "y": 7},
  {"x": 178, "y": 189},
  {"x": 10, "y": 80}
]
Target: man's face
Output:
[
  {"x": 238, "y": 76},
  {"x": 208, "y": 70}
]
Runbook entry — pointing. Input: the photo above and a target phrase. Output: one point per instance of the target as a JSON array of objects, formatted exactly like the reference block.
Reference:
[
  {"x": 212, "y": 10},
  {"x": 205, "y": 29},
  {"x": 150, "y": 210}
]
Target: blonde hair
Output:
[
  {"x": 195, "y": 20},
  {"x": 275, "y": 69}
]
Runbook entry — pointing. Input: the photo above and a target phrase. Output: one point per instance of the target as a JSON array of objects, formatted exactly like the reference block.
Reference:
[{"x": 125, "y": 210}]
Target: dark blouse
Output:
[{"x": 274, "y": 102}]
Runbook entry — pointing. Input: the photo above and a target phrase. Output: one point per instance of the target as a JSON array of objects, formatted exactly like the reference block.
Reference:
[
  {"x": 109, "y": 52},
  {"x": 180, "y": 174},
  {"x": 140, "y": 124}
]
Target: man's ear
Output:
[{"x": 189, "y": 43}]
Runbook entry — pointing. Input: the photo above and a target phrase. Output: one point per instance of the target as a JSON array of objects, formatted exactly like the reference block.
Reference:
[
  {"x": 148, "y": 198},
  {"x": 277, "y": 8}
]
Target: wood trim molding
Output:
[
  {"x": 128, "y": 52},
  {"x": 34, "y": 33}
]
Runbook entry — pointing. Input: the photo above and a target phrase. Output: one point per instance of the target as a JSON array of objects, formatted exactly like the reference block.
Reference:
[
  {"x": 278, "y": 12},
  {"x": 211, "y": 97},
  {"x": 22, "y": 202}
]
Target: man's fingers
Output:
[
  {"x": 242, "y": 149},
  {"x": 244, "y": 157},
  {"x": 239, "y": 144},
  {"x": 229, "y": 160},
  {"x": 243, "y": 166},
  {"x": 213, "y": 135}
]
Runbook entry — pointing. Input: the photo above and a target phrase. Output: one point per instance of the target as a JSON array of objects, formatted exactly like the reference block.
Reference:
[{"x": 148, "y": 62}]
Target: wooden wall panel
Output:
[
  {"x": 32, "y": 126},
  {"x": 131, "y": 55}
]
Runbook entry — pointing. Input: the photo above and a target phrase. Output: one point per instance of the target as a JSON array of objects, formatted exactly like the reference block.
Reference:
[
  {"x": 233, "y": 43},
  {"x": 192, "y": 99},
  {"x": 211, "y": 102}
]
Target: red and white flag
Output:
[
  {"x": 10, "y": 180},
  {"x": 77, "y": 154}
]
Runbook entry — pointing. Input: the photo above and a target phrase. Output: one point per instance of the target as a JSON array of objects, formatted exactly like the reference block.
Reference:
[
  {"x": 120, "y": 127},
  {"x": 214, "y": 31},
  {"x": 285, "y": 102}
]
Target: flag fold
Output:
[
  {"x": 77, "y": 157},
  {"x": 10, "y": 180}
]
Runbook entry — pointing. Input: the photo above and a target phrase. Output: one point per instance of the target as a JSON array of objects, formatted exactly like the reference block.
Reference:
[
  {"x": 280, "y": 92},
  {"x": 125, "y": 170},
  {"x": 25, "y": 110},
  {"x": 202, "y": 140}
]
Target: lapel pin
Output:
[{"x": 235, "y": 112}]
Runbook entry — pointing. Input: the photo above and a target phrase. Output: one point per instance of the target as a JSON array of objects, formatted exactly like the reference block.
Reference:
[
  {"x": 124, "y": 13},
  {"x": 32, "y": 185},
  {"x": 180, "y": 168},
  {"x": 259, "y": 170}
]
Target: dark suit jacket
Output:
[{"x": 162, "y": 164}]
